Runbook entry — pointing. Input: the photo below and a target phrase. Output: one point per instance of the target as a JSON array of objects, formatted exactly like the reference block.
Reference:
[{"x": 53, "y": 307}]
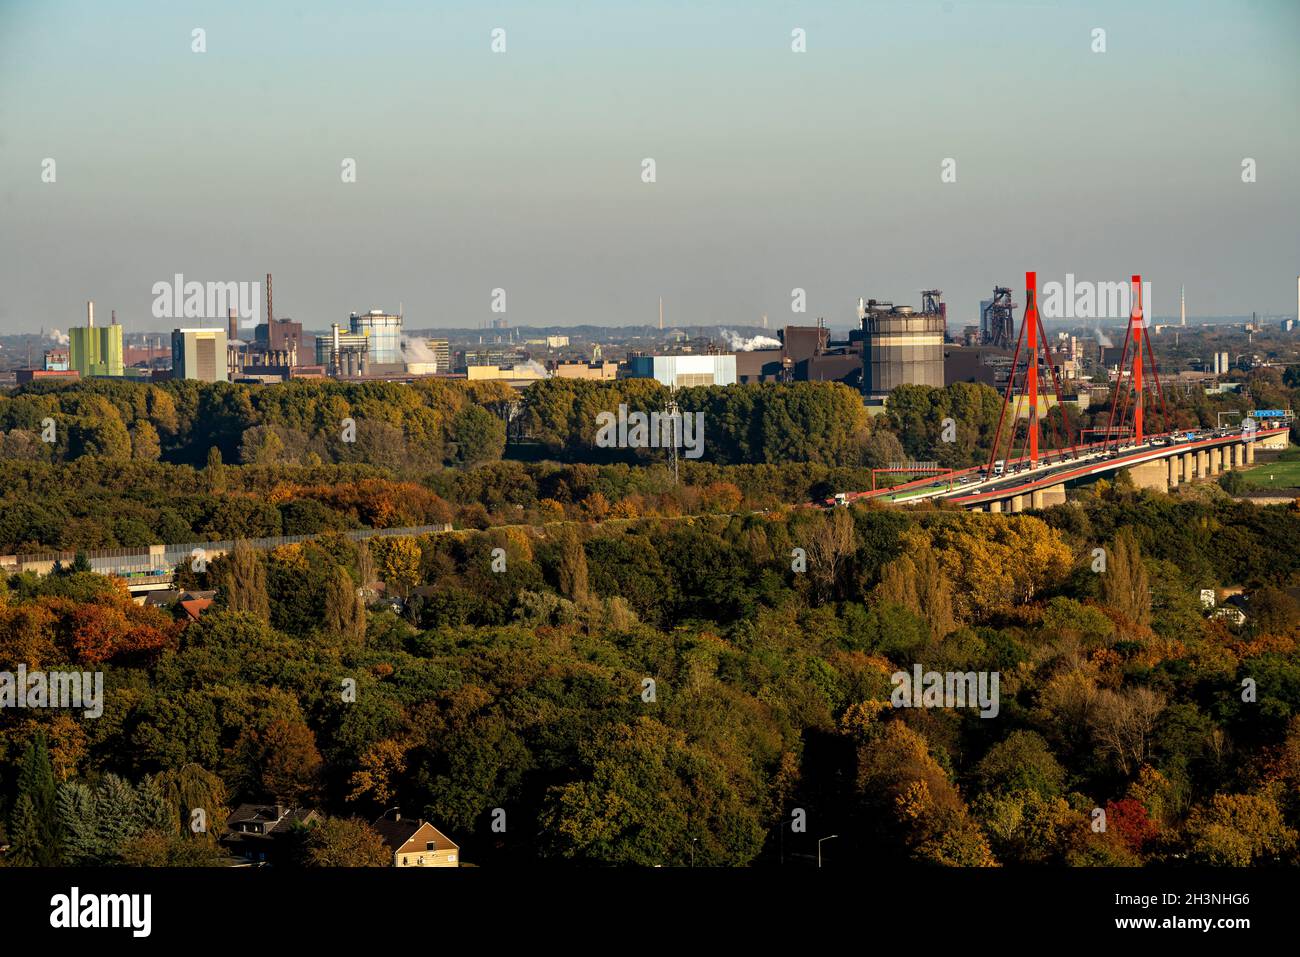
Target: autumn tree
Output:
[
  {"x": 572, "y": 564},
  {"x": 345, "y": 612},
  {"x": 1238, "y": 830},
  {"x": 917, "y": 581},
  {"x": 244, "y": 581},
  {"x": 345, "y": 842},
  {"x": 1125, "y": 585},
  {"x": 830, "y": 545},
  {"x": 398, "y": 558},
  {"x": 1123, "y": 723},
  {"x": 191, "y": 788},
  {"x": 144, "y": 442},
  {"x": 288, "y": 760}
]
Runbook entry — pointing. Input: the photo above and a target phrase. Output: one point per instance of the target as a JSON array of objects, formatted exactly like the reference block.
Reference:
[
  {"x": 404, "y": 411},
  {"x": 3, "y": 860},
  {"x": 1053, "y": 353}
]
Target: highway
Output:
[{"x": 970, "y": 487}]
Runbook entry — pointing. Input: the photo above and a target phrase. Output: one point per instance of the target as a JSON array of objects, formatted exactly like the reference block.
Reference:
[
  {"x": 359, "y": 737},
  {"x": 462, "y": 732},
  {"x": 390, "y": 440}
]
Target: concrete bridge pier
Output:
[
  {"x": 1152, "y": 475},
  {"x": 1238, "y": 455},
  {"x": 1173, "y": 461},
  {"x": 995, "y": 506},
  {"x": 1201, "y": 464},
  {"x": 1189, "y": 466},
  {"x": 1017, "y": 503},
  {"x": 1250, "y": 453}
]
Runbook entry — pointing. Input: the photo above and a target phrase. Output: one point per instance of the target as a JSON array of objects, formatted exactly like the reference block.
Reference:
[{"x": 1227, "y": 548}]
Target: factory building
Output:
[
  {"x": 280, "y": 336},
  {"x": 584, "y": 370},
  {"x": 385, "y": 335},
  {"x": 343, "y": 353},
  {"x": 902, "y": 346},
  {"x": 199, "y": 354},
  {"x": 685, "y": 372},
  {"x": 95, "y": 350}
]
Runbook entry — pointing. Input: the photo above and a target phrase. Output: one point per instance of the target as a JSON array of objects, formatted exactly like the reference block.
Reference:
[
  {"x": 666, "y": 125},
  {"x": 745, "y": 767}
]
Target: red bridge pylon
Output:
[
  {"x": 1038, "y": 377},
  {"x": 1134, "y": 394}
]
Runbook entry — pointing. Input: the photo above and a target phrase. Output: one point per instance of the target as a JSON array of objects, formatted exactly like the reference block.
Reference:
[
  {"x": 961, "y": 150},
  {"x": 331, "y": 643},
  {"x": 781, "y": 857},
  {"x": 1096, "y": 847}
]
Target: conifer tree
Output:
[{"x": 34, "y": 837}]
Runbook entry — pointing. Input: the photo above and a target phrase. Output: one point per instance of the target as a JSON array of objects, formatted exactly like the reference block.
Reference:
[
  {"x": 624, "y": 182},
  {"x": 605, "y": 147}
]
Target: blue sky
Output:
[{"x": 522, "y": 170}]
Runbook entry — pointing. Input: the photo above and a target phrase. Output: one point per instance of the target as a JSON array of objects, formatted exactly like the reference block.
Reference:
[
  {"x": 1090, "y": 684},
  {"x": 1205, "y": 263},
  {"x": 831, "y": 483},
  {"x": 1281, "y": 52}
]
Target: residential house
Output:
[
  {"x": 259, "y": 833},
  {"x": 416, "y": 842}
]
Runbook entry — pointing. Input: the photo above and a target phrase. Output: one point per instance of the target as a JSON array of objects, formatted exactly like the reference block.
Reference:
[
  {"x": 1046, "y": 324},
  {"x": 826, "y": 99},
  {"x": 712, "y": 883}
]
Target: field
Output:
[{"x": 1282, "y": 472}]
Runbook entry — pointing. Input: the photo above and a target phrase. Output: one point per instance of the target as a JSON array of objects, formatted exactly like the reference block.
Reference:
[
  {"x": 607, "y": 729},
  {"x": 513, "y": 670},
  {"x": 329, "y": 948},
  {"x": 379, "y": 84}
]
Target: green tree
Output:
[
  {"x": 477, "y": 436},
  {"x": 1125, "y": 585},
  {"x": 215, "y": 473},
  {"x": 244, "y": 581},
  {"x": 34, "y": 832},
  {"x": 572, "y": 568},
  {"x": 345, "y": 612}
]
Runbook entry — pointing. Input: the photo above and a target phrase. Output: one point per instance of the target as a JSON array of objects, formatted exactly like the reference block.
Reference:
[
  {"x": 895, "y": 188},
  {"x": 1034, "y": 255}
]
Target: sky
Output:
[{"x": 523, "y": 170}]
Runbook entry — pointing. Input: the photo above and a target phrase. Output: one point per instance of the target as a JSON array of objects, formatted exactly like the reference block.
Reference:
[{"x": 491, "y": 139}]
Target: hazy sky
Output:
[{"x": 522, "y": 170}]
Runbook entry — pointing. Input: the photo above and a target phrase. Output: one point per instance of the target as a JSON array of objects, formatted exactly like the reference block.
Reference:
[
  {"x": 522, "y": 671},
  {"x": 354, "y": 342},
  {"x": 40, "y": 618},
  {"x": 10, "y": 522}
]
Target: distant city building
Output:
[
  {"x": 685, "y": 371},
  {"x": 523, "y": 373},
  {"x": 441, "y": 355},
  {"x": 199, "y": 354},
  {"x": 56, "y": 360},
  {"x": 23, "y": 376},
  {"x": 556, "y": 342},
  {"x": 585, "y": 370},
  {"x": 987, "y": 364},
  {"x": 95, "y": 350}
]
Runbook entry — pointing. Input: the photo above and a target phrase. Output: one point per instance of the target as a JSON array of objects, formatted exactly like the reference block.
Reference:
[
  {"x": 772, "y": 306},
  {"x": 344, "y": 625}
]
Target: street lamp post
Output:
[{"x": 829, "y": 837}]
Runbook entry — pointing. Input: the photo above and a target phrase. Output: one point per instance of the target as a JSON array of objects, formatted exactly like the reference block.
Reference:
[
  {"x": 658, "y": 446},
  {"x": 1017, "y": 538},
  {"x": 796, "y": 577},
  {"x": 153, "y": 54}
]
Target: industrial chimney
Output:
[{"x": 90, "y": 313}]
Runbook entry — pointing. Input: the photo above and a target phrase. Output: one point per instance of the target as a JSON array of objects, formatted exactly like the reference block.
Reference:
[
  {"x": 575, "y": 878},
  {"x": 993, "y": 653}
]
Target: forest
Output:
[
  {"x": 130, "y": 464},
  {"x": 511, "y": 686}
]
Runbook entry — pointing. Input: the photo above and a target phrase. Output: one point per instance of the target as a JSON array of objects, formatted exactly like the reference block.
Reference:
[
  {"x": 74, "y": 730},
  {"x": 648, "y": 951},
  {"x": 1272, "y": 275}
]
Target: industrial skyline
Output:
[{"x": 773, "y": 169}]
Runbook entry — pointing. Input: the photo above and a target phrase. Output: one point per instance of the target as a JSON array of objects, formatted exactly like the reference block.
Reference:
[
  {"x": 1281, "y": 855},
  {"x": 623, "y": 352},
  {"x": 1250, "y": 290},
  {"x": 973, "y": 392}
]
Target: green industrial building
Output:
[{"x": 95, "y": 350}]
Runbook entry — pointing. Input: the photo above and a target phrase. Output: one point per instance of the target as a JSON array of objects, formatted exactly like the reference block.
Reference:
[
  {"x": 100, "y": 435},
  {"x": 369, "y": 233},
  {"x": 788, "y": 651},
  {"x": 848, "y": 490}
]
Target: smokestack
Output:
[
  {"x": 661, "y": 313},
  {"x": 90, "y": 313},
  {"x": 270, "y": 315},
  {"x": 1182, "y": 305},
  {"x": 232, "y": 324},
  {"x": 112, "y": 317}
]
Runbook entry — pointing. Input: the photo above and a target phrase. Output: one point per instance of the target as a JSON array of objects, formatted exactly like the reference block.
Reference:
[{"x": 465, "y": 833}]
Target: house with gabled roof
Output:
[{"x": 415, "y": 842}]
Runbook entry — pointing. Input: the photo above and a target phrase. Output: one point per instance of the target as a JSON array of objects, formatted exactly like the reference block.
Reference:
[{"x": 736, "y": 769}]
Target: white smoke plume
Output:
[
  {"x": 738, "y": 343},
  {"x": 534, "y": 366},
  {"x": 417, "y": 350}
]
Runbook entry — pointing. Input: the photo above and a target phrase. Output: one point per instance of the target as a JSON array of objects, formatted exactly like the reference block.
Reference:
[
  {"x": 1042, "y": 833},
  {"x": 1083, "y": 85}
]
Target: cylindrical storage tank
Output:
[
  {"x": 384, "y": 333},
  {"x": 902, "y": 349}
]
